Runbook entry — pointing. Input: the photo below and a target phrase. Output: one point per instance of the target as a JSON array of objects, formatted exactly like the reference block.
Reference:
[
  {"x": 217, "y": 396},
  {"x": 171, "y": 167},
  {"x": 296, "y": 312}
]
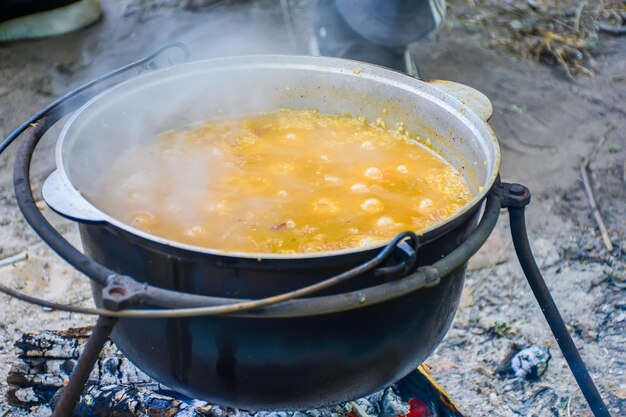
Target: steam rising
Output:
[
  {"x": 131, "y": 116},
  {"x": 210, "y": 29}
]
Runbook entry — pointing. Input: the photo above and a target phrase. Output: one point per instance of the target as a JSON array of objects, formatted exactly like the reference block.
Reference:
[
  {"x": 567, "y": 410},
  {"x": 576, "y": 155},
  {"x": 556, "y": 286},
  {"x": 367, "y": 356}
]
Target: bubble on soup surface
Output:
[
  {"x": 284, "y": 167},
  {"x": 425, "y": 204},
  {"x": 372, "y": 205},
  {"x": 374, "y": 173},
  {"x": 215, "y": 151},
  {"x": 313, "y": 247},
  {"x": 402, "y": 169},
  {"x": 360, "y": 188},
  {"x": 292, "y": 136},
  {"x": 367, "y": 145},
  {"x": 196, "y": 231},
  {"x": 306, "y": 230},
  {"x": 385, "y": 221},
  {"x": 143, "y": 219},
  {"x": 216, "y": 208},
  {"x": 326, "y": 205},
  {"x": 367, "y": 241},
  {"x": 174, "y": 208},
  {"x": 333, "y": 179}
]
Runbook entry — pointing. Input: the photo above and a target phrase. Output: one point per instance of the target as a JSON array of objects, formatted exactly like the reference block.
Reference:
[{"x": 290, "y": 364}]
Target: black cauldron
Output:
[{"x": 273, "y": 362}]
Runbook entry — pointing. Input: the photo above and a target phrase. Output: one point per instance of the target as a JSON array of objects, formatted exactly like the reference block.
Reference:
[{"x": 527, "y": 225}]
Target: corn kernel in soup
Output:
[{"x": 284, "y": 182}]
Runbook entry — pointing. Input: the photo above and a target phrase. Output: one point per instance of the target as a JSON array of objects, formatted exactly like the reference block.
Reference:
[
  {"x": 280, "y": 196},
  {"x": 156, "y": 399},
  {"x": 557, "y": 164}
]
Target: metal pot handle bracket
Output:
[
  {"x": 122, "y": 291},
  {"x": 67, "y": 201},
  {"x": 470, "y": 97}
]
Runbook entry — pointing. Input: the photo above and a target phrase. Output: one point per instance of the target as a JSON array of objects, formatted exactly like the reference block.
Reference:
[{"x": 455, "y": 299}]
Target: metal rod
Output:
[
  {"x": 80, "y": 374},
  {"x": 551, "y": 313}
]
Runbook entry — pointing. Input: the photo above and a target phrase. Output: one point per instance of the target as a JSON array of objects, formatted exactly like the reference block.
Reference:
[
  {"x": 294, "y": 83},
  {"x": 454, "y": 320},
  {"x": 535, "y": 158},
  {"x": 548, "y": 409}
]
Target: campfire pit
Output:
[
  {"x": 440, "y": 274},
  {"x": 46, "y": 359}
]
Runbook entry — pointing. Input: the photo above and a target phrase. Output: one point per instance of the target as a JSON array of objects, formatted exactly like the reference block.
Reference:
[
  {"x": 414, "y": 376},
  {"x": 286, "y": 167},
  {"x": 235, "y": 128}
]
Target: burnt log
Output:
[{"x": 115, "y": 387}]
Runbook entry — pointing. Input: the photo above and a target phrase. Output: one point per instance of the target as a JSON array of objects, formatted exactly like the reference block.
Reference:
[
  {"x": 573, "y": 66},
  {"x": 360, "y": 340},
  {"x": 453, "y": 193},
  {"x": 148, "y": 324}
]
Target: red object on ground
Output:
[{"x": 418, "y": 408}]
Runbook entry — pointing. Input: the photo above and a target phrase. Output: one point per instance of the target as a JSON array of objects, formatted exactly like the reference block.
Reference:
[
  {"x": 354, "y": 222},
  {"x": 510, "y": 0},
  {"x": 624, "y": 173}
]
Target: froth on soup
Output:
[{"x": 293, "y": 181}]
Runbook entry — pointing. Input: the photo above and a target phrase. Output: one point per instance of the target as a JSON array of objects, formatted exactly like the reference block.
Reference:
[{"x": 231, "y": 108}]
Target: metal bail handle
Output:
[{"x": 121, "y": 291}]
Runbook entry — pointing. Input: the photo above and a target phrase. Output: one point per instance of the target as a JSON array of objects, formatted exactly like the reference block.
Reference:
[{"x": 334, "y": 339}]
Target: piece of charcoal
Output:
[{"x": 528, "y": 363}]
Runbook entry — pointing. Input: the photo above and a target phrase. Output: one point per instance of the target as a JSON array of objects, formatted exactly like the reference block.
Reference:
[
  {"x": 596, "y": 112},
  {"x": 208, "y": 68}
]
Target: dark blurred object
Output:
[
  {"x": 374, "y": 31},
  {"x": 10, "y": 9}
]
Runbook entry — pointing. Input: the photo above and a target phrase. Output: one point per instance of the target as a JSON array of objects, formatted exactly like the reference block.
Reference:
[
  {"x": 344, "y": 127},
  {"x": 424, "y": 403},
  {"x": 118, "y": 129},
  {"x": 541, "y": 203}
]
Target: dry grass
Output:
[{"x": 557, "y": 32}]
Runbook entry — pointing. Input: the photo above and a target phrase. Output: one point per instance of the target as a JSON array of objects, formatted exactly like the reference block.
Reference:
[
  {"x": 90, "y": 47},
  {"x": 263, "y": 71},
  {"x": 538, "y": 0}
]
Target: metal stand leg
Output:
[
  {"x": 86, "y": 361},
  {"x": 515, "y": 198}
]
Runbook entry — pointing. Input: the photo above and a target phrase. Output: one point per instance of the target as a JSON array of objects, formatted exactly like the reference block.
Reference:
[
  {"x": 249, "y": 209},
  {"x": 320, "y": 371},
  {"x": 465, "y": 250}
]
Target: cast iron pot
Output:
[{"x": 272, "y": 363}]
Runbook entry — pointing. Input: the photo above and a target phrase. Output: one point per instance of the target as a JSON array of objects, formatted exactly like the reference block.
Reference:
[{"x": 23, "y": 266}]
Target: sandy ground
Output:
[{"x": 546, "y": 126}]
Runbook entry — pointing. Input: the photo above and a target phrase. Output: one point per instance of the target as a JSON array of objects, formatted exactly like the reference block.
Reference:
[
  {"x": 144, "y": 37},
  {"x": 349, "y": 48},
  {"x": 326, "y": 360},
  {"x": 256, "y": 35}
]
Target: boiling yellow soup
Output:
[{"x": 284, "y": 182}]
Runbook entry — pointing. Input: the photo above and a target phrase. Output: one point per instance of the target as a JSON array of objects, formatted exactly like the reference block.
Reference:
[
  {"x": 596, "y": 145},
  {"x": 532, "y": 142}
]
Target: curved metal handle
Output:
[{"x": 123, "y": 291}]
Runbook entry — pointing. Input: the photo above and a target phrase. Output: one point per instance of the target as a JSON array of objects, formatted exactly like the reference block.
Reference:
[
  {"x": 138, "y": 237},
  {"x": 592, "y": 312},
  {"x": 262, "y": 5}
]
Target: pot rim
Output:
[{"x": 345, "y": 67}]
